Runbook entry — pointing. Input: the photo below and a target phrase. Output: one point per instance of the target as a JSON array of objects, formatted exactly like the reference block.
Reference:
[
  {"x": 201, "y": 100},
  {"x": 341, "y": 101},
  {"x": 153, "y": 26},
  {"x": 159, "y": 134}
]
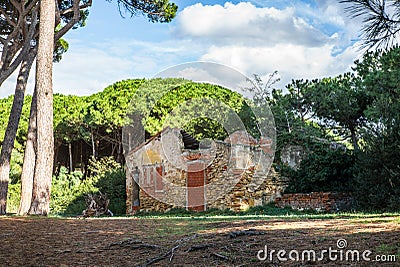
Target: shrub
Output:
[
  {"x": 377, "y": 181},
  {"x": 110, "y": 179},
  {"x": 323, "y": 170},
  {"x": 13, "y": 198},
  {"x": 68, "y": 189},
  {"x": 106, "y": 176}
]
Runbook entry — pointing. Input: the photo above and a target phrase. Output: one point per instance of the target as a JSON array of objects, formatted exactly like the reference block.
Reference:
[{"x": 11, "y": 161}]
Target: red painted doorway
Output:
[{"x": 195, "y": 186}]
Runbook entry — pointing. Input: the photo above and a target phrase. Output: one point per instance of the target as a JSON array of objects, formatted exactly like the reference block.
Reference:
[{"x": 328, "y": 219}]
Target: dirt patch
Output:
[{"x": 191, "y": 241}]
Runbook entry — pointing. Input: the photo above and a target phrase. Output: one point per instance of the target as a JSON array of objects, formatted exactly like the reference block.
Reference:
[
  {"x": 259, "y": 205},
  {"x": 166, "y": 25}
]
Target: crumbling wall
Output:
[
  {"x": 318, "y": 201},
  {"x": 236, "y": 177},
  {"x": 238, "y": 189}
]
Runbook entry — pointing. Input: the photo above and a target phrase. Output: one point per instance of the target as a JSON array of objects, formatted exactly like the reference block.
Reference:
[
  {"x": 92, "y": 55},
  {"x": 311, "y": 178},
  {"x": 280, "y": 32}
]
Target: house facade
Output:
[{"x": 172, "y": 169}]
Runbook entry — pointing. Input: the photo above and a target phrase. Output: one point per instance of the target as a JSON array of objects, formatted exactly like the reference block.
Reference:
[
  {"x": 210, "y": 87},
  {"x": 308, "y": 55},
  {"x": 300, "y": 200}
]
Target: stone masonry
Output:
[{"x": 234, "y": 174}]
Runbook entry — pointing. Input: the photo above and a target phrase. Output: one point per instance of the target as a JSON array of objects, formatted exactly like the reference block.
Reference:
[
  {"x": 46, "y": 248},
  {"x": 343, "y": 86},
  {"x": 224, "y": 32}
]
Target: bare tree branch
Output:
[
  {"x": 28, "y": 9},
  {"x": 17, "y": 6},
  {"x": 7, "y": 17},
  {"x": 71, "y": 23},
  {"x": 72, "y": 9},
  {"x": 26, "y": 45}
]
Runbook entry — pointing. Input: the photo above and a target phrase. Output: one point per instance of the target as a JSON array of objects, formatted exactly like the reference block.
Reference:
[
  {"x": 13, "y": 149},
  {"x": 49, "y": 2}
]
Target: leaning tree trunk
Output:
[
  {"x": 28, "y": 168},
  {"x": 12, "y": 127},
  {"x": 71, "y": 169},
  {"x": 44, "y": 88},
  {"x": 354, "y": 140}
]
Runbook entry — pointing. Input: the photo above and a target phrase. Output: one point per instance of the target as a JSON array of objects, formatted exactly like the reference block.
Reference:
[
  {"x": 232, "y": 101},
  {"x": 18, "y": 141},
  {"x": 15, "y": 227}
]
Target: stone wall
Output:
[
  {"x": 174, "y": 184},
  {"x": 238, "y": 189},
  {"x": 236, "y": 175},
  {"x": 226, "y": 186},
  {"x": 318, "y": 201}
]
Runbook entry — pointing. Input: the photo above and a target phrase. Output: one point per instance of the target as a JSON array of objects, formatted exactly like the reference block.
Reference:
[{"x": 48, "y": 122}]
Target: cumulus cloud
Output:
[
  {"x": 247, "y": 24},
  {"x": 299, "y": 40},
  {"x": 84, "y": 71},
  {"x": 291, "y": 61},
  {"x": 207, "y": 72}
]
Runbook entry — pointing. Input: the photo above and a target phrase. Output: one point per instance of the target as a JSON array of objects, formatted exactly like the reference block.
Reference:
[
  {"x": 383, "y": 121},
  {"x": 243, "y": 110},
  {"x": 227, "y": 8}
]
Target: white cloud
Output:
[
  {"x": 84, "y": 71},
  {"x": 246, "y": 24},
  {"x": 207, "y": 72},
  {"x": 299, "y": 40},
  {"x": 291, "y": 61},
  {"x": 295, "y": 40}
]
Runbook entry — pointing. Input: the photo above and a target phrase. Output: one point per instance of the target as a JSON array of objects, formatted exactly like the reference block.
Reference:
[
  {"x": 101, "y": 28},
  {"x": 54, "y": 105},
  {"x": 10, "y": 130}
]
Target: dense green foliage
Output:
[
  {"x": 378, "y": 168},
  {"x": 360, "y": 109},
  {"x": 322, "y": 169},
  {"x": 70, "y": 189},
  {"x": 199, "y": 108}
]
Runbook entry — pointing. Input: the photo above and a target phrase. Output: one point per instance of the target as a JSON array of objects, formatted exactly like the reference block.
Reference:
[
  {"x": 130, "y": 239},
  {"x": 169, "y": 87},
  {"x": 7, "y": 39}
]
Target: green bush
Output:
[
  {"x": 378, "y": 169},
  {"x": 105, "y": 175},
  {"x": 68, "y": 189},
  {"x": 13, "y": 198},
  {"x": 111, "y": 180},
  {"x": 322, "y": 170},
  {"x": 377, "y": 181},
  {"x": 14, "y": 186}
]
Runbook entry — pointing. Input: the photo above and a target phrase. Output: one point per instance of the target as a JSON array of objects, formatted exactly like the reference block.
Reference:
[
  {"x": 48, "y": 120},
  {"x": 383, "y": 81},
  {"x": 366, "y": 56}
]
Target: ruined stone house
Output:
[{"x": 172, "y": 169}]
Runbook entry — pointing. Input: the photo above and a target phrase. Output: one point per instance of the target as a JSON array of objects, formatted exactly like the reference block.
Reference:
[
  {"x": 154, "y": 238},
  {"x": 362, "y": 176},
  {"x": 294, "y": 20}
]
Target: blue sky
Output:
[{"x": 299, "y": 39}]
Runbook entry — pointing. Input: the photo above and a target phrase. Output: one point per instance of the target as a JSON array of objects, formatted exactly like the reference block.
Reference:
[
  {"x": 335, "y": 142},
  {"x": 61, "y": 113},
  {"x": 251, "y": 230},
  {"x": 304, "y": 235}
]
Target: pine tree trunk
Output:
[
  {"x": 354, "y": 140},
  {"x": 57, "y": 146},
  {"x": 28, "y": 168},
  {"x": 70, "y": 157},
  {"x": 12, "y": 127},
  {"x": 93, "y": 146},
  {"x": 82, "y": 168},
  {"x": 45, "y": 139}
]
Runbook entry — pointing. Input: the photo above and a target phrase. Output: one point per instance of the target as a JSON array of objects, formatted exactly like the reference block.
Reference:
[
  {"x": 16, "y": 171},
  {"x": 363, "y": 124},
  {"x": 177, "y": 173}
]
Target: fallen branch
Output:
[
  {"x": 220, "y": 256},
  {"x": 133, "y": 244},
  {"x": 198, "y": 247},
  {"x": 170, "y": 253},
  {"x": 145, "y": 246},
  {"x": 89, "y": 251},
  {"x": 97, "y": 205},
  {"x": 161, "y": 257},
  {"x": 129, "y": 241},
  {"x": 185, "y": 239},
  {"x": 63, "y": 251}
]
